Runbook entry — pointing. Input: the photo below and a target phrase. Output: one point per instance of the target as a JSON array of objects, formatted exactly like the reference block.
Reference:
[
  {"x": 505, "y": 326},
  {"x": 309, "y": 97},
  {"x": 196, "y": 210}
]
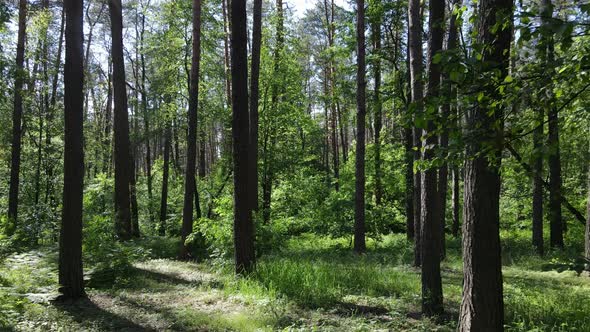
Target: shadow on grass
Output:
[{"x": 87, "y": 313}]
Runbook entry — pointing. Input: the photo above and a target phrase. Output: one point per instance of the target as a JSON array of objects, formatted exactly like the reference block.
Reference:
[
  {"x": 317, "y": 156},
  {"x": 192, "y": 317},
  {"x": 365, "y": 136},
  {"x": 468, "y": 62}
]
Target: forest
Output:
[{"x": 295, "y": 165}]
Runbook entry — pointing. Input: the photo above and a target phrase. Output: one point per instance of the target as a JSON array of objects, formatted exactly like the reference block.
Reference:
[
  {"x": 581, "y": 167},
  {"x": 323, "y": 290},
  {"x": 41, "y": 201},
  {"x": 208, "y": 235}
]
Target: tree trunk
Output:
[
  {"x": 243, "y": 225},
  {"x": 254, "y": 93},
  {"x": 165, "y": 170},
  {"x": 123, "y": 162},
  {"x": 415, "y": 54},
  {"x": 49, "y": 195},
  {"x": 359, "y": 195},
  {"x": 556, "y": 222},
  {"x": 146, "y": 121},
  {"x": 70, "y": 242},
  {"x": 432, "y": 297},
  {"x": 377, "y": 107},
  {"x": 538, "y": 183},
  {"x": 587, "y": 237},
  {"x": 17, "y": 119},
  {"x": 482, "y": 305},
  {"x": 191, "y": 150}
]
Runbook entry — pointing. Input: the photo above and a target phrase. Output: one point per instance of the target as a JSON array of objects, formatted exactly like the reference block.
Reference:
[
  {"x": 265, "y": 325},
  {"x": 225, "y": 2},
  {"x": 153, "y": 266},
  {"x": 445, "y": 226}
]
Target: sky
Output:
[{"x": 300, "y": 6}]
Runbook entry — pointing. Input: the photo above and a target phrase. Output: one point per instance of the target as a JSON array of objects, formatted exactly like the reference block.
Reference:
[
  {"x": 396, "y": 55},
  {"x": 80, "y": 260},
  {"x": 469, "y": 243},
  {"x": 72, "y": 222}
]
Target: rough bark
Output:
[
  {"x": 482, "y": 305},
  {"x": 17, "y": 119},
  {"x": 243, "y": 225},
  {"x": 70, "y": 242},
  {"x": 432, "y": 297},
  {"x": 191, "y": 146},
  {"x": 359, "y": 195},
  {"x": 123, "y": 162}
]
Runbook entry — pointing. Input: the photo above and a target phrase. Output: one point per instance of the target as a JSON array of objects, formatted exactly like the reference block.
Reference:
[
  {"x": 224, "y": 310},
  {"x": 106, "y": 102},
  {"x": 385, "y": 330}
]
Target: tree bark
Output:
[
  {"x": 243, "y": 225},
  {"x": 191, "y": 150},
  {"x": 123, "y": 161},
  {"x": 254, "y": 95},
  {"x": 165, "y": 171},
  {"x": 538, "y": 183},
  {"x": 482, "y": 305},
  {"x": 377, "y": 107},
  {"x": 556, "y": 222},
  {"x": 359, "y": 195},
  {"x": 17, "y": 119},
  {"x": 70, "y": 242},
  {"x": 415, "y": 55},
  {"x": 432, "y": 297}
]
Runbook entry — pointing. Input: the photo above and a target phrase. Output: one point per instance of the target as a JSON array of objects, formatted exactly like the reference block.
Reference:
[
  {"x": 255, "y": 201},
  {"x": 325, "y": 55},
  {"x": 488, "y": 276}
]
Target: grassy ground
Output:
[{"x": 312, "y": 284}]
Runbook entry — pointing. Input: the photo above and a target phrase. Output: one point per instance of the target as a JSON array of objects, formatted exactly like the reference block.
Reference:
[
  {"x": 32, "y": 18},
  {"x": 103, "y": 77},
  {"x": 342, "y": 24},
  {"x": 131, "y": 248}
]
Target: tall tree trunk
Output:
[
  {"x": 432, "y": 297},
  {"x": 359, "y": 195},
  {"x": 254, "y": 93},
  {"x": 538, "y": 183},
  {"x": 270, "y": 134},
  {"x": 377, "y": 107},
  {"x": 409, "y": 158},
  {"x": 146, "y": 121},
  {"x": 49, "y": 195},
  {"x": 415, "y": 50},
  {"x": 482, "y": 305},
  {"x": 445, "y": 113},
  {"x": 123, "y": 162},
  {"x": 71, "y": 278},
  {"x": 191, "y": 147},
  {"x": 556, "y": 222},
  {"x": 165, "y": 170},
  {"x": 17, "y": 119},
  {"x": 243, "y": 225}
]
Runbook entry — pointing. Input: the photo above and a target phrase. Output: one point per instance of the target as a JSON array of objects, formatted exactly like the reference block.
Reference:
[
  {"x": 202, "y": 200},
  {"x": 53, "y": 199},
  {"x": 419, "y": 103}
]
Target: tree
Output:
[
  {"x": 254, "y": 91},
  {"x": 165, "y": 171},
  {"x": 430, "y": 244},
  {"x": 123, "y": 162},
  {"x": 415, "y": 55},
  {"x": 17, "y": 115},
  {"x": 243, "y": 225},
  {"x": 71, "y": 278},
  {"x": 482, "y": 305},
  {"x": 377, "y": 103},
  {"x": 556, "y": 221},
  {"x": 191, "y": 147},
  {"x": 361, "y": 112}
]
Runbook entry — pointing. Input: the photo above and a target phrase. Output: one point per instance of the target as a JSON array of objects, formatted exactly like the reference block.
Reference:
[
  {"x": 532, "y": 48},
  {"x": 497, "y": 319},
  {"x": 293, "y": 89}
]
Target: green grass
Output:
[{"x": 310, "y": 284}]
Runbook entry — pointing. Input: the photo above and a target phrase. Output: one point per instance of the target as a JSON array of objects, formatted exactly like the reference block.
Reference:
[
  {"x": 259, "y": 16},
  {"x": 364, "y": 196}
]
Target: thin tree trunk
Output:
[
  {"x": 49, "y": 196},
  {"x": 556, "y": 222},
  {"x": 359, "y": 201},
  {"x": 123, "y": 162},
  {"x": 377, "y": 108},
  {"x": 432, "y": 297},
  {"x": 254, "y": 93},
  {"x": 191, "y": 150},
  {"x": 455, "y": 200},
  {"x": 482, "y": 305},
  {"x": 17, "y": 119},
  {"x": 243, "y": 225},
  {"x": 71, "y": 278},
  {"x": 415, "y": 50},
  {"x": 538, "y": 183},
  {"x": 165, "y": 170}
]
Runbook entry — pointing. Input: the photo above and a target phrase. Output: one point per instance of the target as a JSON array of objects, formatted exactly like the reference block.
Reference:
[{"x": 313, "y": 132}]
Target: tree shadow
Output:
[{"x": 87, "y": 313}]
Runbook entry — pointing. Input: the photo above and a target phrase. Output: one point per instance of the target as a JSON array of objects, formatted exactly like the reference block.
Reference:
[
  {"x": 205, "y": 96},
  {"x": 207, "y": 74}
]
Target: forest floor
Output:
[{"x": 311, "y": 284}]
